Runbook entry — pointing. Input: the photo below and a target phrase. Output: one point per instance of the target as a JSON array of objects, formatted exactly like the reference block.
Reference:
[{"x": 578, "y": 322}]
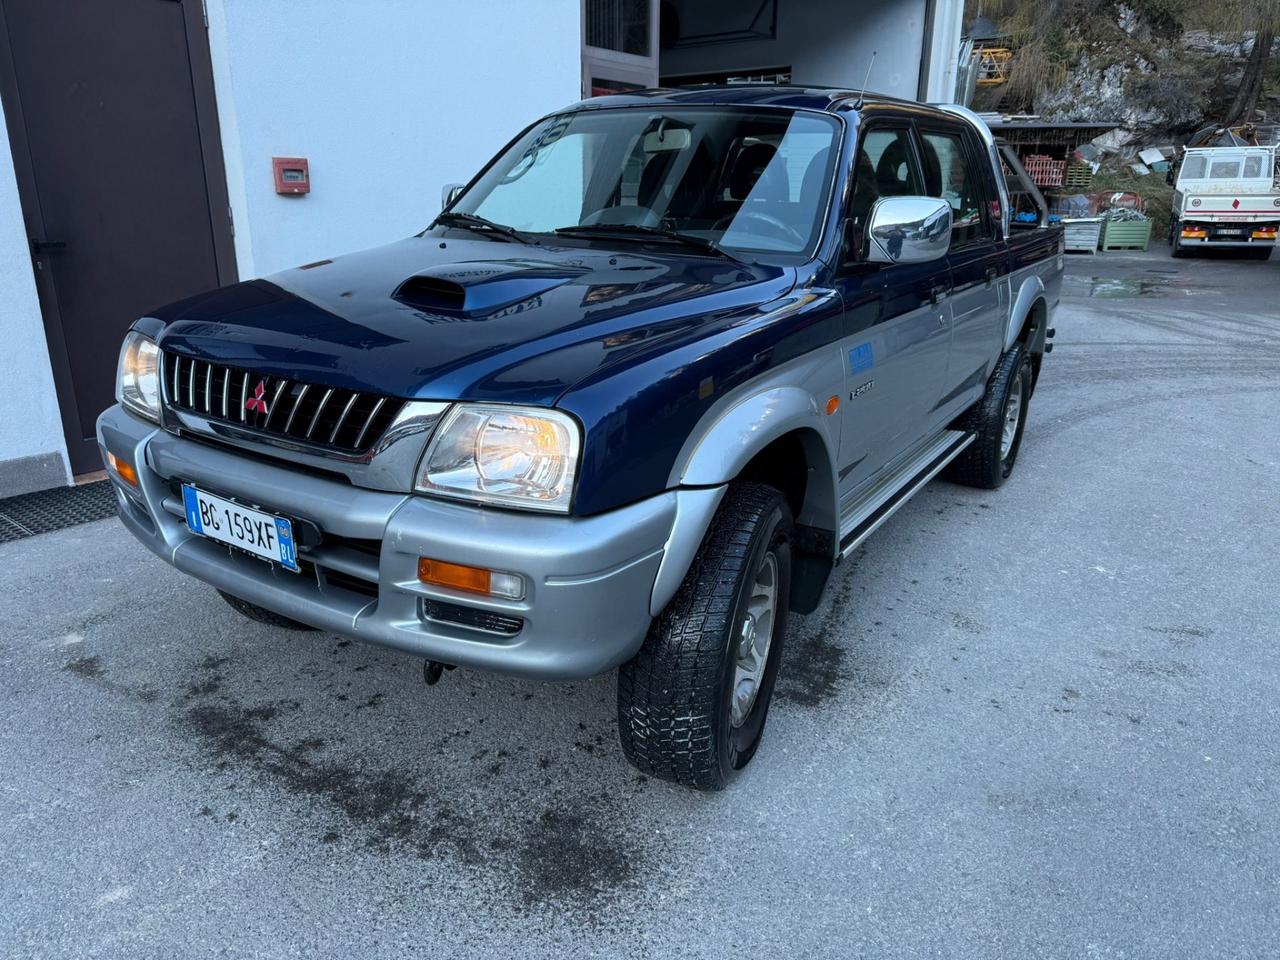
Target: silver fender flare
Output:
[
  {"x": 720, "y": 452},
  {"x": 1032, "y": 289}
]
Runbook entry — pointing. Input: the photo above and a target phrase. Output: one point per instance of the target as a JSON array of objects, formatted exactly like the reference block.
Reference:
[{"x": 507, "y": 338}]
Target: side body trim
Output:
[{"x": 883, "y": 500}]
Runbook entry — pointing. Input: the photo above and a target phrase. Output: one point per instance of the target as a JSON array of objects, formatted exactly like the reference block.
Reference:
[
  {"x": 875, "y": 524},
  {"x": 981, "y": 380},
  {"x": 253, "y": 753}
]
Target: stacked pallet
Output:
[{"x": 1044, "y": 171}]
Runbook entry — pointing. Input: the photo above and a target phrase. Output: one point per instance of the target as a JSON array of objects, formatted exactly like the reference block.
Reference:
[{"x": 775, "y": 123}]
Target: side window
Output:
[
  {"x": 886, "y": 167},
  {"x": 950, "y": 176}
]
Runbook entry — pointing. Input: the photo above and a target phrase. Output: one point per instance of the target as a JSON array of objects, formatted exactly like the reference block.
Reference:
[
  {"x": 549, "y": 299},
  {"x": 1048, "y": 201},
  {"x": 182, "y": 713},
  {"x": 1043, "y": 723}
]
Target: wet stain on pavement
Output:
[
  {"x": 1125, "y": 288},
  {"x": 1182, "y": 634},
  {"x": 562, "y": 856},
  {"x": 87, "y": 667},
  {"x": 534, "y": 836},
  {"x": 557, "y": 855},
  {"x": 814, "y": 666}
]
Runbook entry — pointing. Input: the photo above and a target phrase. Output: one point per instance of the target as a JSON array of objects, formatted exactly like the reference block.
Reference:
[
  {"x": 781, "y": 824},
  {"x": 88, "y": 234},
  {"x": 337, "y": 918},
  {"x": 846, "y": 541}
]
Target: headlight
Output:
[
  {"x": 137, "y": 376},
  {"x": 507, "y": 456}
]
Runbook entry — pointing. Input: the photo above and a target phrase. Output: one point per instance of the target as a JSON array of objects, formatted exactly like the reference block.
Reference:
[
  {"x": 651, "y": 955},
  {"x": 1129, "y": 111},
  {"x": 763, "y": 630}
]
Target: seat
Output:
[
  {"x": 889, "y": 181},
  {"x": 814, "y": 179},
  {"x": 755, "y": 175},
  {"x": 866, "y": 189}
]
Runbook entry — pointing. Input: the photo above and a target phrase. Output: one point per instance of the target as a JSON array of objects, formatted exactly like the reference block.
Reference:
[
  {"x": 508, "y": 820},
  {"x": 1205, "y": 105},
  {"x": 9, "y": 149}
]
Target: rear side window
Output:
[
  {"x": 1224, "y": 170},
  {"x": 886, "y": 167},
  {"x": 950, "y": 175}
]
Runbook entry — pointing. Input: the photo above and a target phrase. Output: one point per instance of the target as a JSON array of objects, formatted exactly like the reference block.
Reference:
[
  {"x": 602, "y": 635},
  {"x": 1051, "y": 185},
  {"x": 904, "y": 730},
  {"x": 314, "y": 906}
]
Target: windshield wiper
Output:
[
  {"x": 471, "y": 221},
  {"x": 640, "y": 231}
]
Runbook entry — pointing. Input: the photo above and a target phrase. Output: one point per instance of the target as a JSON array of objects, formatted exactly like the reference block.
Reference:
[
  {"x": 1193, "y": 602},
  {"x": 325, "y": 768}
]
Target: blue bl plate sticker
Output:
[
  {"x": 862, "y": 357},
  {"x": 288, "y": 553}
]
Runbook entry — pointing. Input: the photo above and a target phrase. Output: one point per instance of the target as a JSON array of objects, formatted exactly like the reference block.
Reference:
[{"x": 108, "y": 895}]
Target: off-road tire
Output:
[
  {"x": 262, "y": 614},
  {"x": 981, "y": 464},
  {"x": 673, "y": 697}
]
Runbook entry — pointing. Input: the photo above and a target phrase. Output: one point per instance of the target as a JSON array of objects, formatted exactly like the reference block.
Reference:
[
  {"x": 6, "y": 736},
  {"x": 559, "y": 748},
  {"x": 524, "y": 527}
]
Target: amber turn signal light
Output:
[
  {"x": 123, "y": 469},
  {"x": 457, "y": 576}
]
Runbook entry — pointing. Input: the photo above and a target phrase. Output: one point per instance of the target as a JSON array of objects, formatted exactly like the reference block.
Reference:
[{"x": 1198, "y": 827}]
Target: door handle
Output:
[
  {"x": 992, "y": 275},
  {"x": 938, "y": 294},
  {"x": 47, "y": 246}
]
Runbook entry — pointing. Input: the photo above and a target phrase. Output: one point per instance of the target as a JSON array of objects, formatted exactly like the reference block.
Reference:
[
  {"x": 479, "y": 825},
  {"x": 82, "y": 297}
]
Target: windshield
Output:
[{"x": 750, "y": 180}]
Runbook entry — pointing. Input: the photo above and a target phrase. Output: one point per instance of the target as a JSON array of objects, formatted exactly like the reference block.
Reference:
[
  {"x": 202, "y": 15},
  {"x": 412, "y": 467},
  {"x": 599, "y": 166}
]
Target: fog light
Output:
[
  {"x": 123, "y": 469},
  {"x": 457, "y": 576}
]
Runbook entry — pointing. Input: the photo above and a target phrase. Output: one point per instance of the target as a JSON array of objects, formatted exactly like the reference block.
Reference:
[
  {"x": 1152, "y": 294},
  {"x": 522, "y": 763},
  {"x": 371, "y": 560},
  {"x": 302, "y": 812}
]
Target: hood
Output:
[{"x": 464, "y": 319}]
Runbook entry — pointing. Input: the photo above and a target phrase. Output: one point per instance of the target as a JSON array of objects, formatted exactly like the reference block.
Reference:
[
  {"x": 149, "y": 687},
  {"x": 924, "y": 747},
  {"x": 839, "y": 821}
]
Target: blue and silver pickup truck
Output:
[{"x": 626, "y": 403}]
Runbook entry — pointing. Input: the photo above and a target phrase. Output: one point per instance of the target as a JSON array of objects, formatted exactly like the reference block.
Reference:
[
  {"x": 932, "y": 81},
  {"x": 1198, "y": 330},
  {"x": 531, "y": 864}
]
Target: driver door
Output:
[{"x": 897, "y": 325}]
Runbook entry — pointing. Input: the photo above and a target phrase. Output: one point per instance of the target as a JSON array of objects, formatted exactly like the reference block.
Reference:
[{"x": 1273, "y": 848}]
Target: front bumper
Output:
[{"x": 590, "y": 581}]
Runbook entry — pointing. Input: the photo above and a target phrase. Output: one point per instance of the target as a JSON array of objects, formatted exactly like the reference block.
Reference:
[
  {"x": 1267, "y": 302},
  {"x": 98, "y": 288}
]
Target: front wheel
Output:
[
  {"x": 262, "y": 614},
  {"x": 997, "y": 423},
  {"x": 692, "y": 704}
]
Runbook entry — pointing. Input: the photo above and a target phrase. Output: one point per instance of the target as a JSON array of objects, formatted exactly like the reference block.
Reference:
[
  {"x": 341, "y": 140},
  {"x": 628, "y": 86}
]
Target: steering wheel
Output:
[{"x": 780, "y": 228}]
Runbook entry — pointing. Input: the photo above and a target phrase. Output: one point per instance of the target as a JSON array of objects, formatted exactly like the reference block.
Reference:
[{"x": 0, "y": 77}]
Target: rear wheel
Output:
[
  {"x": 1258, "y": 253},
  {"x": 262, "y": 614},
  {"x": 1175, "y": 232},
  {"x": 692, "y": 704},
  {"x": 997, "y": 422}
]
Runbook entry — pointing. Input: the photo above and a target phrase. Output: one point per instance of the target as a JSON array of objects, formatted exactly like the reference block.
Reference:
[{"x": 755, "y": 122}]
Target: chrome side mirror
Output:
[
  {"x": 450, "y": 193},
  {"x": 909, "y": 230}
]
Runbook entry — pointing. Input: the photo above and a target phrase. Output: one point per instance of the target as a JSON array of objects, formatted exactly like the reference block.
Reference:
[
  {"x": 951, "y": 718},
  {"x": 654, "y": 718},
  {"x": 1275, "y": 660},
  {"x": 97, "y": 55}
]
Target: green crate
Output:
[{"x": 1126, "y": 235}]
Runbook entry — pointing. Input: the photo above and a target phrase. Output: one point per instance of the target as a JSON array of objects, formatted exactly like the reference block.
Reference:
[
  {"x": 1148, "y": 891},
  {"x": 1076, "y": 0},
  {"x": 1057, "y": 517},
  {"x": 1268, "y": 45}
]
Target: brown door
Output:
[{"x": 111, "y": 117}]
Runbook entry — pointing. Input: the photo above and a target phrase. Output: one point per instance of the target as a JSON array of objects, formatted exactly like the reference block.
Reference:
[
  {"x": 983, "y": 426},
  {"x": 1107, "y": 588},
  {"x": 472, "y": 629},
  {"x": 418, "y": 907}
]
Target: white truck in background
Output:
[{"x": 1226, "y": 197}]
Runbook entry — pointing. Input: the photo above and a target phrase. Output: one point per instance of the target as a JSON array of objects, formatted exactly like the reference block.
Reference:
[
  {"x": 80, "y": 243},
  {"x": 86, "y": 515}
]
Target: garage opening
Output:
[{"x": 630, "y": 44}]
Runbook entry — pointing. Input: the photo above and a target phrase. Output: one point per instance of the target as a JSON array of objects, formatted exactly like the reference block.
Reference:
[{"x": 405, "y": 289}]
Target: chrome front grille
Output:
[{"x": 349, "y": 421}]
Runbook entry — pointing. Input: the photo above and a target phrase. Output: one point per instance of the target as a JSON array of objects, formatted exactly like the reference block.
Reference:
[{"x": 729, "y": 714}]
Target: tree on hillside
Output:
[{"x": 1266, "y": 18}]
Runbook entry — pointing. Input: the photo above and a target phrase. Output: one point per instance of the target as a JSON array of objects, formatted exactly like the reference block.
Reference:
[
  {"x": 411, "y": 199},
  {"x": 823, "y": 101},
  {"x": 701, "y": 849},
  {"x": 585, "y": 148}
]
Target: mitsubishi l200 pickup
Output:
[{"x": 623, "y": 405}]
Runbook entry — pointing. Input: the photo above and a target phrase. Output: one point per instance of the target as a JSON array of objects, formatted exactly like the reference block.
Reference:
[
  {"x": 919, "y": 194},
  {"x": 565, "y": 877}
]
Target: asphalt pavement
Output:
[{"x": 1040, "y": 722}]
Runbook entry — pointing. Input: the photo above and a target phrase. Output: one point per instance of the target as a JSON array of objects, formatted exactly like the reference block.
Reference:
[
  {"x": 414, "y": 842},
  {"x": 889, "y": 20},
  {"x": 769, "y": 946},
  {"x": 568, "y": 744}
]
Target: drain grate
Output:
[{"x": 48, "y": 510}]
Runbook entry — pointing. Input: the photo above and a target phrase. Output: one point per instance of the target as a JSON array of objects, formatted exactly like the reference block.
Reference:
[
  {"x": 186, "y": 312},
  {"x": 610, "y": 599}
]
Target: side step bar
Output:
[{"x": 884, "y": 499}]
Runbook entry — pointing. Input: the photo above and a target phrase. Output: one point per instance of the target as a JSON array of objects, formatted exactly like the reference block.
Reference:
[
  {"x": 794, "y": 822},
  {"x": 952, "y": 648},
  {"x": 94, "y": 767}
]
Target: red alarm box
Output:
[{"x": 292, "y": 175}]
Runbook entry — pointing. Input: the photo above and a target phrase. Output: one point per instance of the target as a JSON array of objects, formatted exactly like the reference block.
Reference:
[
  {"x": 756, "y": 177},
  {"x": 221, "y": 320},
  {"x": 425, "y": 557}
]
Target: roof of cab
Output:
[{"x": 747, "y": 94}]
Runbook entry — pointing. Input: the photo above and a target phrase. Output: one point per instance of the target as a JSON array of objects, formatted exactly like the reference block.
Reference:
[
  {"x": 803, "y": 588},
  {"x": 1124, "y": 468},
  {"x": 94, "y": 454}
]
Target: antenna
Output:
[{"x": 862, "y": 94}]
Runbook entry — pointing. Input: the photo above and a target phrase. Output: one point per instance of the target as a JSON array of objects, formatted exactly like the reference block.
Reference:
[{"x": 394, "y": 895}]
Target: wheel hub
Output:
[
  {"x": 1012, "y": 414},
  {"x": 755, "y": 636}
]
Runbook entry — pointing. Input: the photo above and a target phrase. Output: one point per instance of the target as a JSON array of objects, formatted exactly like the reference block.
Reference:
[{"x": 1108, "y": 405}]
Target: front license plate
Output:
[{"x": 252, "y": 531}]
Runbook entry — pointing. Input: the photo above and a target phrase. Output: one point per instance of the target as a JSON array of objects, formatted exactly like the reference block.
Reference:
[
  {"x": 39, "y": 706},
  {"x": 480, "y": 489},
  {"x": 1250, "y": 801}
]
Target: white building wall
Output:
[
  {"x": 388, "y": 102},
  {"x": 33, "y": 454},
  {"x": 825, "y": 42},
  {"x": 948, "y": 27}
]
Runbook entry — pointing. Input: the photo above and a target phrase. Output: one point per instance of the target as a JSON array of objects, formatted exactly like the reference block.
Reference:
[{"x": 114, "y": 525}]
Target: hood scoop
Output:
[
  {"x": 480, "y": 288},
  {"x": 432, "y": 294}
]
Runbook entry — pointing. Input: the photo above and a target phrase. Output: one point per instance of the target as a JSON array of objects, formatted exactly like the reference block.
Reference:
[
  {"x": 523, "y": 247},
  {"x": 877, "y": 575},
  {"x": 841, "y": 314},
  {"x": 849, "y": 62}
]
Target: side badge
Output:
[{"x": 862, "y": 357}]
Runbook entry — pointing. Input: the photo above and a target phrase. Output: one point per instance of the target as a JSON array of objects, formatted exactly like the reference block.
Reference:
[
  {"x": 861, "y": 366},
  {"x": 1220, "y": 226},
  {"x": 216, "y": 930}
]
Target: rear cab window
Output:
[{"x": 952, "y": 173}]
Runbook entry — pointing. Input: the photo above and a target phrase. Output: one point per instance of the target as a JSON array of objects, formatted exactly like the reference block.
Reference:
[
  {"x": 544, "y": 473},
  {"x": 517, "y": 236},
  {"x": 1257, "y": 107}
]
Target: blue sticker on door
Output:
[{"x": 862, "y": 357}]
